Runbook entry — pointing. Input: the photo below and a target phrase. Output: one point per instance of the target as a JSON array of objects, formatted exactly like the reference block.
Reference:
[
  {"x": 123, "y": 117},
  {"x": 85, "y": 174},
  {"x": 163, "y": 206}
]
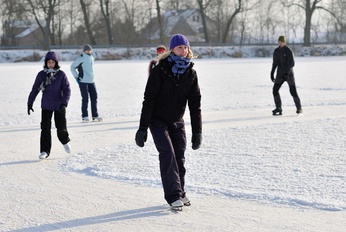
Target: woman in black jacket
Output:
[{"x": 172, "y": 85}]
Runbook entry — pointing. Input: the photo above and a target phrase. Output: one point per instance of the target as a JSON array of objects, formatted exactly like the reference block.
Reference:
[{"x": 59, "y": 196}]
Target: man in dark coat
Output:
[{"x": 283, "y": 59}]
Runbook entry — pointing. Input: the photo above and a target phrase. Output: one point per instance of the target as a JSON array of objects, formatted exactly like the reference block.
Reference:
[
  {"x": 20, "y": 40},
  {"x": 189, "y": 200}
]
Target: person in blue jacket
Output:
[
  {"x": 56, "y": 94},
  {"x": 83, "y": 71},
  {"x": 172, "y": 84}
]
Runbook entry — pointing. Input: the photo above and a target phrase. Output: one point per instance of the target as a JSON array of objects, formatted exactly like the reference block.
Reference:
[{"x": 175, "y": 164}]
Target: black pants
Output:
[
  {"x": 170, "y": 142},
  {"x": 46, "y": 125},
  {"x": 293, "y": 92}
]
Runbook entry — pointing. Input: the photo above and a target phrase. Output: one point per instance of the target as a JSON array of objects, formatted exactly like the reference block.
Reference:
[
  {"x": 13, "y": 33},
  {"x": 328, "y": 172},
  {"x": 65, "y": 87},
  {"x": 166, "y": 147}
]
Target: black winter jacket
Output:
[
  {"x": 165, "y": 97},
  {"x": 283, "y": 59}
]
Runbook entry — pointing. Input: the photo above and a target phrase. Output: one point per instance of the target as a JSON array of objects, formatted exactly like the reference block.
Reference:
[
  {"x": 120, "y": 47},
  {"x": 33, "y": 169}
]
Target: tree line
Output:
[{"x": 120, "y": 22}]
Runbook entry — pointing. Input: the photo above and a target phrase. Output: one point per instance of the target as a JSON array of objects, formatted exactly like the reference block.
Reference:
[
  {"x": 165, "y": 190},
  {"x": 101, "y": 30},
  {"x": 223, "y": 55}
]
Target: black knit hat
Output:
[{"x": 87, "y": 47}]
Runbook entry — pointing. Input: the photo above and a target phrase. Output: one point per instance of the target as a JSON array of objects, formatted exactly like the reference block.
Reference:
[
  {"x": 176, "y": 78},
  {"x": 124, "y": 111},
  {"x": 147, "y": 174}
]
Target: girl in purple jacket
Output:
[{"x": 56, "y": 94}]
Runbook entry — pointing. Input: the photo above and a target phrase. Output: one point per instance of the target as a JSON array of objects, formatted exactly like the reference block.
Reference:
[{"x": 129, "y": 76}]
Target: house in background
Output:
[
  {"x": 22, "y": 33},
  {"x": 187, "y": 22}
]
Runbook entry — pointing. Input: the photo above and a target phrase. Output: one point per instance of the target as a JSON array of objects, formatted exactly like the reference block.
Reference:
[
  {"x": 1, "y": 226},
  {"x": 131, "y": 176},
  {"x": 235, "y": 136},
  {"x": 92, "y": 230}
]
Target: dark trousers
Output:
[
  {"x": 86, "y": 90},
  {"x": 293, "y": 92},
  {"x": 170, "y": 142},
  {"x": 46, "y": 125}
]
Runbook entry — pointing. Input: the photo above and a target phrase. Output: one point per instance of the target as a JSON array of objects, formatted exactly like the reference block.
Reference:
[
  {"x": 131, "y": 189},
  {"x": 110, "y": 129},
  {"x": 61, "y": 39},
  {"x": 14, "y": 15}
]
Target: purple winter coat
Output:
[{"x": 55, "y": 94}]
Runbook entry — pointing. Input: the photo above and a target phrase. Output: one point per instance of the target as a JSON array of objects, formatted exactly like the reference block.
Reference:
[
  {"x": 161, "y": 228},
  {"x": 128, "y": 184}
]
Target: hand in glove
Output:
[
  {"x": 62, "y": 109},
  {"x": 78, "y": 79},
  {"x": 272, "y": 77},
  {"x": 30, "y": 109},
  {"x": 196, "y": 141},
  {"x": 141, "y": 136}
]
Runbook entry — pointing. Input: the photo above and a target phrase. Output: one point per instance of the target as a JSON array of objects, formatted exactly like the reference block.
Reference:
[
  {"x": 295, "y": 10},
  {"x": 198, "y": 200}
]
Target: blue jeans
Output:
[{"x": 86, "y": 90}]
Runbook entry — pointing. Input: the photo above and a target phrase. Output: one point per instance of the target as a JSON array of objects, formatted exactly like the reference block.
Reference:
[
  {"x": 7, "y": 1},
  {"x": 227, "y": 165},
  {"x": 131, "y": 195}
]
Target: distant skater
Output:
[
  {"x": 56, "y": 94},
  {"x": 161, "y": 49},
  {"x": 172, "y": 85},
  {"x": 83, "y": 70},
  {"x": 283, "y": 59}
]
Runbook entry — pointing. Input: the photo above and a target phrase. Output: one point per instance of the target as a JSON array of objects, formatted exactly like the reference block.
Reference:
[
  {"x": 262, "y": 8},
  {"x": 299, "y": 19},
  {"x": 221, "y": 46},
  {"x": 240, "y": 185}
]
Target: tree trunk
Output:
[
  {"x": 87, "y": 23},
  {"x": 160, "y": 21},
  {"x": 204, "y": 23},
  {"x": 230, "y": 20},
  {"x": 105, "y": 13}
]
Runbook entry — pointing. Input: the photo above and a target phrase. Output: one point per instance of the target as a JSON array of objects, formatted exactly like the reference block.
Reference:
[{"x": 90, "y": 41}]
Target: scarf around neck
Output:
[
  {"x": 50, "y": 77},
  {"x": 179, "y": 64}
]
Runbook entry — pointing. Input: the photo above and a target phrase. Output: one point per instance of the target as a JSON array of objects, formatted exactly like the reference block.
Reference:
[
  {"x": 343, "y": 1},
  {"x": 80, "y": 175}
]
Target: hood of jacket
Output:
[{"x": 51, "y": 56}]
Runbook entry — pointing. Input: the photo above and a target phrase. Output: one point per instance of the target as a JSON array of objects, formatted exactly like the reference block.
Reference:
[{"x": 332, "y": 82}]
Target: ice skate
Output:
[
  {"x": 97, "y": 119},
  {"x": 186, "y": 201},
  {"x": 299, "y": 112},
  {"x": 85, "y": 119},
  {"x": 177, "y": 205},
  {"x": 43, "y": 155},
  {"x": 67, "y": 148},
  {"x": 277, "y": 111}
]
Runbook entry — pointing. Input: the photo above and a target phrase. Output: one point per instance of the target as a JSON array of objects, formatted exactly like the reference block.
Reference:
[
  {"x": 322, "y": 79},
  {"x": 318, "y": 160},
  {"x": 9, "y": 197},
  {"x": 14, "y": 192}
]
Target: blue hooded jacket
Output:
[
  {"x": 83, "y": 67},
  {"x": 56, "y": 93}
]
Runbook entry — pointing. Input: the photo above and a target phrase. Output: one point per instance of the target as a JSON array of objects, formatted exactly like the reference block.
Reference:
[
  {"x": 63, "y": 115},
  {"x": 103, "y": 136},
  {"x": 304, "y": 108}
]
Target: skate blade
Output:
[{"x": 177, "y": 208}]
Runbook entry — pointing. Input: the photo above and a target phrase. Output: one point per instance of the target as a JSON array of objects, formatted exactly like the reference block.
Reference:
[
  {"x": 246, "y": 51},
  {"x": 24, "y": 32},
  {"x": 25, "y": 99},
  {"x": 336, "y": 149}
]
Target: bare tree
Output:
[
  {"x": 237, "y": 9},
  {"x": 202, "y": 8},
  {"x": 309, "y": 7},
  {"x": 106, "y": 15},
  {"x": 85, "y": 8},
  {"x": 159, "y": 18},
  {"x": 44, "y": 9},
  {"x": 11, "y": 12}
]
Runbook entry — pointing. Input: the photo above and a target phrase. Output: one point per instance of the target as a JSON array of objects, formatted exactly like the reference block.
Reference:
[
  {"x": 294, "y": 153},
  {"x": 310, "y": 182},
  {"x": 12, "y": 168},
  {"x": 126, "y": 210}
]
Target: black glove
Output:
[
  {"x": 196, "y": 141},
  {"x": 30, "y": 108},
  {"x": 272, "y": 77},
  {"x": 62, "y": 109},
  {"x": 141, "y": 136}
]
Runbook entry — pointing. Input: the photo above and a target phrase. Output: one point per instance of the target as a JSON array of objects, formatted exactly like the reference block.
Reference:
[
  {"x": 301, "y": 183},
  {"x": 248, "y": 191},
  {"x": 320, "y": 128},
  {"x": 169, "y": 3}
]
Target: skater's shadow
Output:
[
  {"x": 26, "y": 162},
  {"x": 19, "y": 162},
  {"x": 154, "y": 211}
]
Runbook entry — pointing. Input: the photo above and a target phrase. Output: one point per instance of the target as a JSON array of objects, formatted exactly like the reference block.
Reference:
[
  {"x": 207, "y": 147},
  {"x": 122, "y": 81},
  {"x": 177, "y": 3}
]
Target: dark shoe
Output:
[{"x": 277, "y": 111}]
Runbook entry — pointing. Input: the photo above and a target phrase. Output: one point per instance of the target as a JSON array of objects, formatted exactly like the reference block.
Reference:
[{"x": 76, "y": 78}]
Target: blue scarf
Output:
[{"x": 179, "y": 64}]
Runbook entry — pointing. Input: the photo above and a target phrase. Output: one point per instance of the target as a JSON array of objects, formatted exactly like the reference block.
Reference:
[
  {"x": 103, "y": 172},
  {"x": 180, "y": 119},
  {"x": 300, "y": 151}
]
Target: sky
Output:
[{"x": 253, "y": 172}]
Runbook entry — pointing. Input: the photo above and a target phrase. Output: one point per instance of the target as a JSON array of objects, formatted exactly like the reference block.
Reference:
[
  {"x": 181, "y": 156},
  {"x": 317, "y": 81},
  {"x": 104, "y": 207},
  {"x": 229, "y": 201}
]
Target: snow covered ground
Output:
[{"x": 254, "y": 172}]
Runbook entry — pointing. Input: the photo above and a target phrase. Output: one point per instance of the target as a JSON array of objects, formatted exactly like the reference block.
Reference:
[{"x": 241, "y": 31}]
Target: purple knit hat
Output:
[{"x": 177, "y": 40}]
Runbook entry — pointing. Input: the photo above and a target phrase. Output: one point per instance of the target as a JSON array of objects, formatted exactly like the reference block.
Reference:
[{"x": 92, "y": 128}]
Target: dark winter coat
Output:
[
  {"x": 283, "y": 60},
  {"x": 166, "y": 97},
  {"x": 55, "y": 94}
]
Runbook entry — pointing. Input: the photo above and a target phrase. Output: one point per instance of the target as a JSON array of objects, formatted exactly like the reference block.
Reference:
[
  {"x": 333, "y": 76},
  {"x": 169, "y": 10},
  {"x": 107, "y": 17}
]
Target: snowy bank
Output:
[{"x": 116, "y": 53}]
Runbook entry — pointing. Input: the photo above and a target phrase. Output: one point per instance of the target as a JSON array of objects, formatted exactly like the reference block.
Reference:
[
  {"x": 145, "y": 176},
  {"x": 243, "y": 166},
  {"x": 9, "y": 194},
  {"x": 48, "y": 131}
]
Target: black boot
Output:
[{"x": 277, "y": 111}]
